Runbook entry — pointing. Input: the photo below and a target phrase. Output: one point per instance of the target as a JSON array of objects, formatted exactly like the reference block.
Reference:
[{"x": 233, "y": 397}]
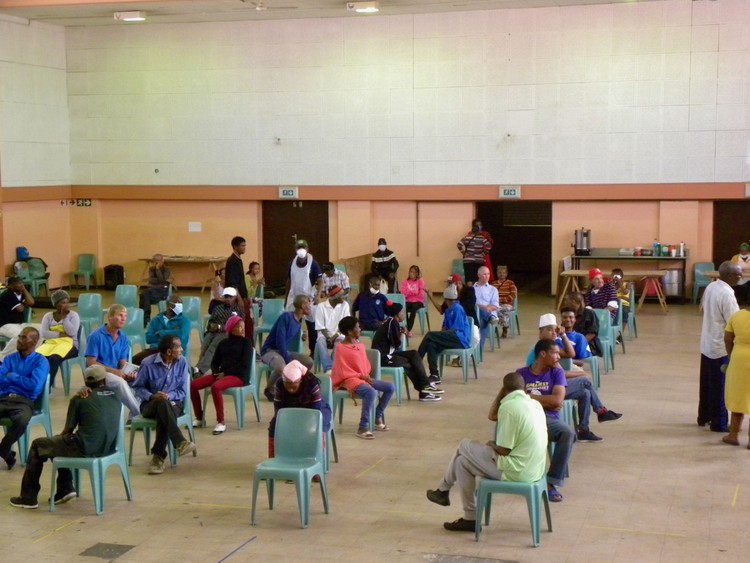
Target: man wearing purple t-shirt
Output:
[{"x": 546, "y": 383}]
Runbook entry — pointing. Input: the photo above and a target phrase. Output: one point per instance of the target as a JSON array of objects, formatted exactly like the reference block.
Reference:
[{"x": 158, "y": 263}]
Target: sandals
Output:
[
  {"x": 554, "y": 495},
  {"x": 365, "y": 434},
  {"x": 380, "y": 425}
]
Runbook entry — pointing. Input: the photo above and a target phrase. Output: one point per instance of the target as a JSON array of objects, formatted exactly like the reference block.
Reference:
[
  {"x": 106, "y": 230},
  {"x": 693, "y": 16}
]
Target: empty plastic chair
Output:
[
  {"x": 86, "y": 269},
  {"x": 133, "y": 328},
  {"x": 127, "y": 295},
  {"x": 272, "y": 309},
  {"x": 606, "y": 338},
  {"x": 700, "y": 280},
  {"x": 191, "y": 309},
  {"x": 326, "y": 390},
  {"x": 90, "y": 310}
]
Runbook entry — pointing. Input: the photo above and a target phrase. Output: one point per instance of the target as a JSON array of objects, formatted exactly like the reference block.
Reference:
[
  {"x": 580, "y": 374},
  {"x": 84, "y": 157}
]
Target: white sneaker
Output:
[
  {"x": 494, "y": 320},
  {"x": 431, "y": 388},
  {"x": 197, "y": 423},
  {"x": 219, "y": 428},
  {"x": 429, "y": 398}
]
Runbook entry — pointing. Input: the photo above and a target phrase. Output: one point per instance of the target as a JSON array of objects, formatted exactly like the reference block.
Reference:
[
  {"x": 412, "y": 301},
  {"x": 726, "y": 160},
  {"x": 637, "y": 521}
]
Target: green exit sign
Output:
[{"x": 510, "y": 192}]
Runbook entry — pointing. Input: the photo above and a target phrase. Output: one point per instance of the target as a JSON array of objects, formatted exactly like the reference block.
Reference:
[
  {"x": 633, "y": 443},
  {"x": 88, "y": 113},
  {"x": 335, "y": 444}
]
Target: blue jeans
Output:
[
  {"x": 325, "y": 356},
  {"x": 368, "y": 393},
  {"x": 564, "y": 438},
  {"x": 484, "y": 326},
  {"x": 582, "y": 390}
]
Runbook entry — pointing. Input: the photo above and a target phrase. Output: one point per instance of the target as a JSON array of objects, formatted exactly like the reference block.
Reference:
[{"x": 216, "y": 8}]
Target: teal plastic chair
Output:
[
  {"x": 632, "y": 327},
  {"x": 423, "y": 314},
  {"x": 41, "y": 416},
  {"x": 90, "y": 310},
  {"x": 465, "y": 354},
  {"x": 86, "y": 270},
  {"x": 191, "y": 309},
  {"x": 145, "y": 425},
  {"x": 97, "y": 468},
  {"x": 617, "y": 326},
  {"x": 79, "y": 360},
  {"x": 515, "y": 325},
  {"x": 534, "y": 493},
  {"x": 397, "y": 375},
  {"x": 299, "y": 457},
  {"x": 239, "y": 395},
  {"x": 133, "y": 328},
  {"x": 341, "y": 395},
  {"x": 272, "y": 309},
  {"x": 33, "y": 274},
  {"x": 457, "y": 267},
  {"x": 326, "y": 390},
  {"x": 606, "y": 337},
  {"x": 353, "y": 287},
  {"x": 127, "y": 295},
  {"x": 593, "y": 363},
  {"x": 700, "y": 280}
]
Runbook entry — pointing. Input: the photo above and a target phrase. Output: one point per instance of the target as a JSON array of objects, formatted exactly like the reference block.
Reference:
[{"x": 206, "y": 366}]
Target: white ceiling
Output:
[{"x": 100, "y": 12}]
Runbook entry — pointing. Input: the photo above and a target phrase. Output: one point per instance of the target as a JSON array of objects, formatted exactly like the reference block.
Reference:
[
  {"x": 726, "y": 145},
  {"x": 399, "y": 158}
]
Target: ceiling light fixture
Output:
[
  {"x": 363, "y": 7},
  {"x": 130, "y": 16}
]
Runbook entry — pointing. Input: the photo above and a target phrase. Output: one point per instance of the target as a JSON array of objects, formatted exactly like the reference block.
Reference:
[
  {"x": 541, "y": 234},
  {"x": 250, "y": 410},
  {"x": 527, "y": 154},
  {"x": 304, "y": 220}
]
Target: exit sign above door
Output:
[
  {"x": 510, "y": 192},
  {"x": 288, "y": 192}
]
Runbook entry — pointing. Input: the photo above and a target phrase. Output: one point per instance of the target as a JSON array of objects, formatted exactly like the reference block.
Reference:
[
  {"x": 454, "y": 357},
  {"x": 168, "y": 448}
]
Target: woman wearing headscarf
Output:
[{"x": 60, "y": 333}]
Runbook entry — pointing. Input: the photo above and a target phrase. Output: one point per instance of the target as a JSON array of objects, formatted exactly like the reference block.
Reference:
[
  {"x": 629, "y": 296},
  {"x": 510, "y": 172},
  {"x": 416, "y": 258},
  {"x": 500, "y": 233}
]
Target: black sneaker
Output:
[
  {"x": 460, "y": 525},
  {"x": 434, "y": 380},
  {"x": 439, "y": 497},
  {"x": 586, "y": 435},
  {"x": 61, "y": 497},
  {"x": 20, "y": 502},
  {"x": 11, "y": 460},
  {"x": 431, "y": 388},
  {"x": 608, "y": 415},
  {"x": 269, "y": 394},
  {"x": 429, "y": 397}
]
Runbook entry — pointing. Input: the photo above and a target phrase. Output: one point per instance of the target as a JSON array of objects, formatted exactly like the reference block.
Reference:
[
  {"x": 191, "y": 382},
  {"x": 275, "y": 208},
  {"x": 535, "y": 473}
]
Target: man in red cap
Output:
[{"x": 601, "y": 295}]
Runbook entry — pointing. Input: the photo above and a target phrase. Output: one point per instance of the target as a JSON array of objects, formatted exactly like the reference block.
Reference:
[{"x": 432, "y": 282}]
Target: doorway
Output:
[
  {"x": 285, "y": 222},
  {"x": 730, "y": 228}
]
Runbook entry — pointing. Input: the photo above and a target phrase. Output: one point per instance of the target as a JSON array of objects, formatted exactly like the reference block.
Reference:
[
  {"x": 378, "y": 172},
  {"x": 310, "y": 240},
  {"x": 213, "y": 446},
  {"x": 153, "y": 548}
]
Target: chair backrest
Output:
[
  {"x": 134, "y": 324},
  {"x": 253, "y": 374},
  {"x": 260, "y": 291},
  {"x": 340, "y": 267},
  {"x": 699, "y": 268},
  {"x": 515, "y": 305},
  {"x": 37, "y": 269},
  {"x": 566, "y": 364},
  {"x": 28, "y": 312},
  {"x": 81, "y": 341},
  {"x": 605, "y": 323},
  {"x": 618, "y": 322},
  {"x": 127, "y": 295},
  {"x": 86, "y": 262},
  {"x": 373, "y": 355},
  {"x": 299, "y": 434},
  {"x": 457, "y": 267},
  {"x": 631, "y": 299},
  {"x": 272, "y": 309},
  {"x": 90, "y": 305},
  {"x": 41, "y": 403},
  {"x": 191, "y": 308},
  {"x": 21, "y": 269},
  {"x": 397, "y": 298},
  {"x": 326, "y": 388}
]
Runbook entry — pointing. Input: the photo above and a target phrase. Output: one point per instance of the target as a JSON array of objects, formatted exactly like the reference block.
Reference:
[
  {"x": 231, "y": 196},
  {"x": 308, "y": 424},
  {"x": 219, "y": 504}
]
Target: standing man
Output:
[
  {"x": 216, "y": 328},
  {"x": 91, "y": 429},
  {"x": 161, "y": 386},
  {"x": 109, "y": 347},
  {"x": 234, "y": 276},
  {"x": 22, "y": 378},
  {"x": 304, "y": 278},
  {"x": 159, "y": 280},
  {"x": 385, "y": 265},
  {"x": 474, "y": 247},
  {"x": 719, "y": 303},
  {"x": 518, "y": 453},
  {"x": 488, "y": 302}
]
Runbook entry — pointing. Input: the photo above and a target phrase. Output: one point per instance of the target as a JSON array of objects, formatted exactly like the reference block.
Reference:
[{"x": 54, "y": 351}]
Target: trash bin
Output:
[{"x": 672, "y": 283}]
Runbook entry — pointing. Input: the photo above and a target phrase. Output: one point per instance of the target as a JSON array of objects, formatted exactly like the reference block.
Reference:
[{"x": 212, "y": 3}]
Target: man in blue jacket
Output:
[{"x": 170, "y": 322}]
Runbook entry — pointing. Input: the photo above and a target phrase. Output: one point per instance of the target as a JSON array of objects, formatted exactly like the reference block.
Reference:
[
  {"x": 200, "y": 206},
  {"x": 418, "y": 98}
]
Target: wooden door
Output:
[
  {"x": 284, "y": 222},
  {"x": 730, "y": 228}
]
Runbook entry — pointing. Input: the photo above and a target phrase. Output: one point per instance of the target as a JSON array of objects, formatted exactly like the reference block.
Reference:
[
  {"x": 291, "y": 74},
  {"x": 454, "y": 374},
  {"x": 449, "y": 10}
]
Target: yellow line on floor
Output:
[
  {"x": 736, "y": 494},
  {"x": 630, "y": 530},
  {"x": 369, "y": 468},
  {"x": 53, "y": 532}
]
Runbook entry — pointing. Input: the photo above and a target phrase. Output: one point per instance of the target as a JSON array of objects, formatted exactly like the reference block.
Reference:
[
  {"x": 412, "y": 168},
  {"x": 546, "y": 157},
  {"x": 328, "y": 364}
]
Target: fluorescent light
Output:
[
  {"x": 363, "y": 7},
  {"x": 130, "y": 16}
]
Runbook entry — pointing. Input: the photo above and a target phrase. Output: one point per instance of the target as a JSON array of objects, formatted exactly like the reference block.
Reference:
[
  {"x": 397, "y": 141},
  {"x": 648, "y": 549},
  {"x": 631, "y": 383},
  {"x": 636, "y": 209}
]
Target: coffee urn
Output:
[{"x": 583, "y": 242}]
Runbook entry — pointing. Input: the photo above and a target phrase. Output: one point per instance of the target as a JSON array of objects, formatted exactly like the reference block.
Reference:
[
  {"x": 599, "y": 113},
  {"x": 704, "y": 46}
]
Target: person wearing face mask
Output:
[
  {"x": 385, "y": 265},
  {"x": 305, "y": 278},
  {"x": 216, "y": 327},
  {"x": 370, "y": 305},
  {"x": 601, "y": 295},
  {"x": 742, "y": 289},
  {"x": 475, "y": 248},
  {"x": 170, "y": 322},
  {"x": 159, "y": 278}
]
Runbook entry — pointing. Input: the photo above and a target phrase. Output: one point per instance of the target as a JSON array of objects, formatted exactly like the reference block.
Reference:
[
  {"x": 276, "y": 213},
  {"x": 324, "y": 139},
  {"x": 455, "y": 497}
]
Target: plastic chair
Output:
[
  {"x": 397, "y": 375},
  {"x": 353, "y": 287},
  {"x": 515, "y": 325},
  {"x": 299, "y": 457},
  {"x": 340, "y": 395},
  {"x": 593, "y": 363},
  {"x": 617, "y": 326},
  {"x": 606, "y": 337},
  {"x": 127, "y": 295},
  {"x": 90, "y": 310},
  {"x": 457, "y": 267},
  {"x": 423, "y": 314},
  {"x": 33, "y": 273},
  {"x": 145, "y": 425},
  {"x": 191, "y": 309},
  {"x": 133, "y": 328},
  {"x": 700, "y": 280},
  {"x": 40, "y": 416},
  {"x": 464, "y": 353},
  {"x": 534, "y": 493},
  {"x": 86, "y": 269},
  {"x": 97, "y": 468},
  {"x": 632, "y": 328},
  {"x": 239, "y": 395},
  {"x": 326, "y": 390},
  {"x": 80, "y": 360},
  {"x": 272, "y": 309}
]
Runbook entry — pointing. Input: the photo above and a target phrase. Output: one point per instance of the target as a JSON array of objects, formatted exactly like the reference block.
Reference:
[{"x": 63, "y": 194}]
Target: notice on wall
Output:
[{"x": 195, "y": 227}]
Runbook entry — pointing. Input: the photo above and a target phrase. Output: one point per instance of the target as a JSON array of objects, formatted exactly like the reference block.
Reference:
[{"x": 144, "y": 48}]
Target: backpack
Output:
[{"x": 22, "y": 253}]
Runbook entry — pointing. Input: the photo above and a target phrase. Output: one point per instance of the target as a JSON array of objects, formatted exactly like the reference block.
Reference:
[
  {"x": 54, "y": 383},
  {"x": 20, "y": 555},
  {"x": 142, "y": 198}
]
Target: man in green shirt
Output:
[
  {"x": 519, "y": 452},
  {"x": 90, "y": 431}
]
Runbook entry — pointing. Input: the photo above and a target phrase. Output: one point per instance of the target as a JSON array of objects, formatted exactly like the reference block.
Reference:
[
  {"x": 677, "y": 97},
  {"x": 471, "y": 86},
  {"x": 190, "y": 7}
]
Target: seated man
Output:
[
  {"x": 507, "y": 294},
  {"x": 546, "y": 383},
  {"x": 601, "y": 295},
  {"x": 586, "y": 321},
  {"x": 91, "y": 428},
  {"x": 334, "y": 277},
  {"x": 456, "y": 333},
  {"x": 171, "y": 321},
  {"x": 623, "y": 293},
  {"x": 275, "y": 352},
  {"x": 216, "y": 328},
  {"x": 161, "y": 386},
  {"x": 579, "y": 386},
  {"x": 488, "y": 303},
  {"x": 388, "y": 340},
  {"x": 518, "y": 453},
  {"x": 370, "y": 305},
  {"x": 328, "y": 314},
  {"x": 159, "y": 280},
  {"x": 22, "y": 378},
  {"x": 13, "y": 304},
  {"x": 109, "y": 347},
  {"x": 230, "y": 367}
]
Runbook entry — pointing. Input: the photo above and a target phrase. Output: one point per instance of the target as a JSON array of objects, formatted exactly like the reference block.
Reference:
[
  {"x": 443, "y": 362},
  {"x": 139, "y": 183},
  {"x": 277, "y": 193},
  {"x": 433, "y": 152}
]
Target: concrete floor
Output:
[{"x": 658, "y": 488}]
